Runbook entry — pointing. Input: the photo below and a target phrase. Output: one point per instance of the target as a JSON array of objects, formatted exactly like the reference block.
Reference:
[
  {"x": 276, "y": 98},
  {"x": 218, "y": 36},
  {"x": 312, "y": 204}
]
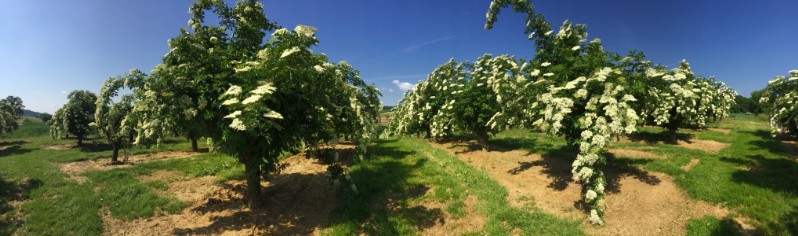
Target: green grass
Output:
[
  {"x": 404, "y": 170},
  {"x": 57, "y": 205},
  {"x": 712, "y": 226},
  {"x": 756, "y": 178},
  {"x": 127, "y": 198}
]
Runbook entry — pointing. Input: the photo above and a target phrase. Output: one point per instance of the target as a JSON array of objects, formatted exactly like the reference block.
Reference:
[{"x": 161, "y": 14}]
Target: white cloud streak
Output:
[
  {"x": 404, "y": 86},
  {"x": 412, "y": 48}
]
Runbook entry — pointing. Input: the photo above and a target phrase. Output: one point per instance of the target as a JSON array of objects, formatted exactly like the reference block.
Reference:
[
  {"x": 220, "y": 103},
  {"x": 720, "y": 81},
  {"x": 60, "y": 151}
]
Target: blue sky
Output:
[{"x": 50, "y": 48}]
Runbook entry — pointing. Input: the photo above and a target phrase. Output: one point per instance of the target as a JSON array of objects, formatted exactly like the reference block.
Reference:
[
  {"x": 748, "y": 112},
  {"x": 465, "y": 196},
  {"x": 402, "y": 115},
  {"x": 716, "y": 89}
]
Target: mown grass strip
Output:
[{"x": 403, "y": 165}]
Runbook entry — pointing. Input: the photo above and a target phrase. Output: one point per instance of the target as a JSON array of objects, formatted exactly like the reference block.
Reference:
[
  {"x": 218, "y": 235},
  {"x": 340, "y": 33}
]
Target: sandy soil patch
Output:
[
  {"x": 430, "y": 216},
  {"x": 165, "y": 175},
  {"x": 719, "y": 130},
  {"x": 704, "y": 145},
  {"x": 638, "y": 202},
  {"x": 697, "y": 144},
  {"x": 637, "y": 154},
  {"x": 62, "y": 147},
  {"x": 299, "y": 201},
  {"x": 19, "y": 195},
  {"x": 75, "y": 169},
  {"x": 790, "y": 146},
  {"x": 449, "y": 225},
  {"x": 690, "y": 165}
]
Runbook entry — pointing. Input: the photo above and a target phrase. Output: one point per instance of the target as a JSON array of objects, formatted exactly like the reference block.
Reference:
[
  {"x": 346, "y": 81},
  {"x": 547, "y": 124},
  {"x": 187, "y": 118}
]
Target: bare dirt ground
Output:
[
  {"x": 697, "y": 144},
  {"x": 704, "y": 145},
  {"x": 75, "y": 169},
  {"x": 61, "y": 147},
  {"x": 638, "y": 202},
  {"x": 690, "y": 165},
  {"x": 432, "y": 219},
  {"x": 791, "y": 147},
  {"x": 449, "y": 225},
  {"x": 637, "y": 154},
  {"x": 719, "y": 130},
  {"x": 299, "y": 202}
]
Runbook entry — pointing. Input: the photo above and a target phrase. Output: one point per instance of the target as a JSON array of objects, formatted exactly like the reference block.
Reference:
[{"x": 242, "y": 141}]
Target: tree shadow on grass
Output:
[
  {"x": 557, "y": 164},
  {"x": 777, "y": 174},
  {"x": 12, "y": 143},
  {"x": 779, "y": 145},
  {"x": 504, "y": 144},
  {"x": 658, "y": 137},
  {"x": 295, "y": 204},
  {"x": 8, "y": 151},
  {"x": 383, "y": 194},
  {"x": 299, "y": 204},
  {"x": 13, "y": 192},
  {"x": 10, "y": 148},
  {"x": 791, "y": 221},
  {"x": 95, "y": 147}
]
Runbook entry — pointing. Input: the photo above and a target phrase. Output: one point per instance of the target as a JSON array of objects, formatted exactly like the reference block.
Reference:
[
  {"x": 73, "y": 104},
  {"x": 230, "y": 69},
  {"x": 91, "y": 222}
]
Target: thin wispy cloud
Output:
[{"x": 411, "y": 48}]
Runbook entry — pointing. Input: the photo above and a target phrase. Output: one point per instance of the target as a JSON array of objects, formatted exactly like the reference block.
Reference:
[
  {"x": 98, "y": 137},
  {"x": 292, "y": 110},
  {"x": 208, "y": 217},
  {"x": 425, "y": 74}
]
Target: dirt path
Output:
[
  {"x": 637, "y": 154},
  {"x": 790, "y": 146},
  {"x": 299, "y": 202},
  {"x": 75, "y": 169},
  {"x": 638, "y": 202},
  {"x": 690, "y": 165},
  {"x": 720, "y": 130},
  {"x": 711, "y": 146}
]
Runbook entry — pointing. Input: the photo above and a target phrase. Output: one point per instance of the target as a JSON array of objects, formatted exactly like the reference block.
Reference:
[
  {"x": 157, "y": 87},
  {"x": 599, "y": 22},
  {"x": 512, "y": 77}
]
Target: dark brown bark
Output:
[
  {"x": 255, "y": 198},
  {"x": 673, "y": 132},
  {"x": 194, "y": 146},
  {"x": 80, "y": 140},
  {"x": 115, "y": 156},
  {"x": 483, "y": 138}
]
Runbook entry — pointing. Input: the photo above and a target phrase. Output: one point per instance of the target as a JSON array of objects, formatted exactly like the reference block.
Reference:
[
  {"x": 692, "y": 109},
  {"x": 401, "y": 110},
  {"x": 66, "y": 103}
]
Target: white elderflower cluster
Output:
[
  {"x": 686, "y": 99},
  {"x": 305, "y": 31},
  {"x": 779, "y": 100},
  {"x": 604, "y": 114},
  {"x": 247, "y": 113},
  {"x": 290, "y": 51}
]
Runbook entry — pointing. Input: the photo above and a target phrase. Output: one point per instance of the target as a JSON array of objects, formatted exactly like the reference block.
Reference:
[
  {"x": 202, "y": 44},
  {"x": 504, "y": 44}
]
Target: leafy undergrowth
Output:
[{"x": 402, "y": 167}]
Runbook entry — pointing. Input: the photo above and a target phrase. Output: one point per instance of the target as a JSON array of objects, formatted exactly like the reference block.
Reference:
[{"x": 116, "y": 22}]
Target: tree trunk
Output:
[
  {"x": 255, "y": 197},
  {"x": 482, "y": 138},
  {"x": 194, "y": 146},
  {"x": 80, "y": 140},
  {"x": 115, "y": 156},
  {"x": 673, "y": 131}
]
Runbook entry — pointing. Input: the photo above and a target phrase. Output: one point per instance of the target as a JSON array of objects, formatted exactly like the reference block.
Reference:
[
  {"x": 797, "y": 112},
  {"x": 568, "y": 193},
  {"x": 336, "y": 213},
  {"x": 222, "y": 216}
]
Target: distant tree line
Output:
[{"x": 748, "y": 104}]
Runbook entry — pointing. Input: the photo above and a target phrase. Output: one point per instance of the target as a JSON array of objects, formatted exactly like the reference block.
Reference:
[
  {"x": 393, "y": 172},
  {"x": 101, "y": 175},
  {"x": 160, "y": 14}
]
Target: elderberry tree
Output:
[{"x": 779, "y": 100}]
